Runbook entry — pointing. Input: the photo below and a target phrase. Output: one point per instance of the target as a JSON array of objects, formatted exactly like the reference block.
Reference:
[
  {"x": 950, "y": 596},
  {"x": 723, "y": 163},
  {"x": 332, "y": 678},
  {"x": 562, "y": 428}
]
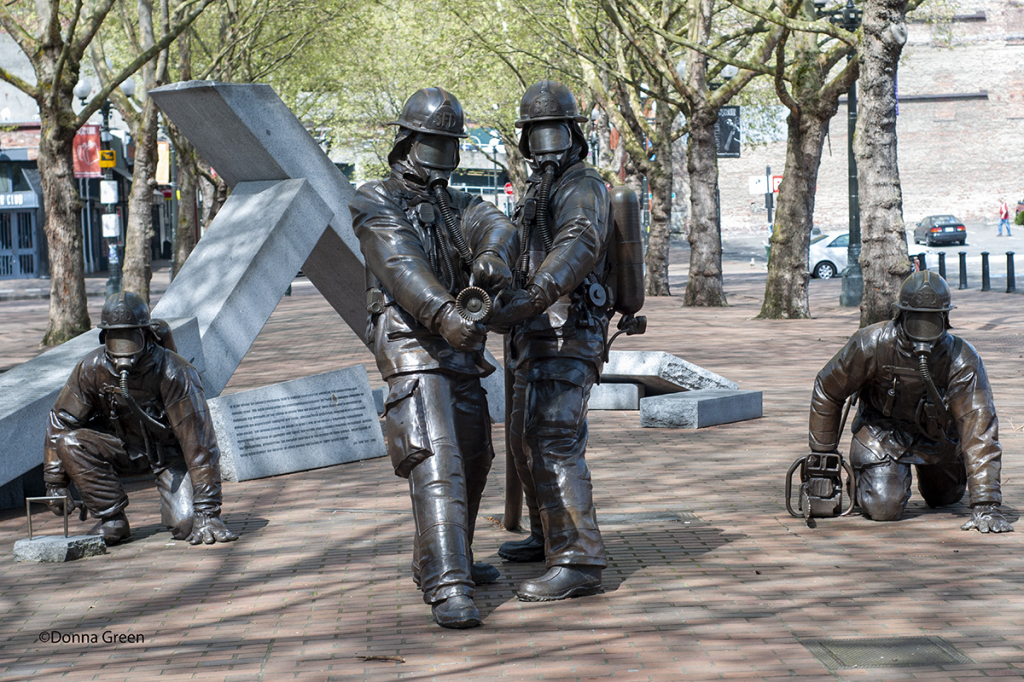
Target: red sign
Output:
[
  {"x": 508, "y": 188},
  {"x": 776, "y": 181},
  {"x": 86, "y": 151}
]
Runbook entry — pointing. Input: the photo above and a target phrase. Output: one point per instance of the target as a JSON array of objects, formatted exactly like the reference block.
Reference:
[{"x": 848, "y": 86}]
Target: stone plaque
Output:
[{"x": 308, "y": 423}]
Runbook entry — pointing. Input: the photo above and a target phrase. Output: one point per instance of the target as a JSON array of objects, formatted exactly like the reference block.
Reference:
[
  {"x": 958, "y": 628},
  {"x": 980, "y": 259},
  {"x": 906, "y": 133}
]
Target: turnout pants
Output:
[
  {"x": 883, "y": 482},
  {"x": 439, "y": 437},
  {"x": 95, "y": 461},
  {"x": 548, "y": 436}
]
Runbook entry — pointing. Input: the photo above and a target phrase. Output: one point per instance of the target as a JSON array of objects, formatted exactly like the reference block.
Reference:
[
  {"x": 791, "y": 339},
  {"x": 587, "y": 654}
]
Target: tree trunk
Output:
[
  {"x": 185, "y": 230},
  {"x": 785, "y": 293},
  {"x": 659, "y": 182},
  {"x": 883, "y": 257},
  {"x": 704, "y": 284},
  {"x": 680, "y": 189},
  {"x": 213, "y": 194},
  {"x": 69, "y": 315},
  {"x": 138, "y": 270}
]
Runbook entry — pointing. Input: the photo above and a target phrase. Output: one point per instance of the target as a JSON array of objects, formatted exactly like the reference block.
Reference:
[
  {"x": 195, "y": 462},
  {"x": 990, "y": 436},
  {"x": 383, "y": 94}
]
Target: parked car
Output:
[
  {"x": 940, "y": 229},
  {"x": 827, "y": 256}
]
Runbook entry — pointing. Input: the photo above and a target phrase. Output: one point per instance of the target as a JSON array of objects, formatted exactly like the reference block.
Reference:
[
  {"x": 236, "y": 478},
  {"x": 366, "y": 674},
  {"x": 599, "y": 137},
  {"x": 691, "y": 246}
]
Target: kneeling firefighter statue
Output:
[
  {"x": 567, "y": 288},
  {"x": 924, "y": 401},
  {"x": 130, "y": 407},
  {"x": 424, "y": 245}
]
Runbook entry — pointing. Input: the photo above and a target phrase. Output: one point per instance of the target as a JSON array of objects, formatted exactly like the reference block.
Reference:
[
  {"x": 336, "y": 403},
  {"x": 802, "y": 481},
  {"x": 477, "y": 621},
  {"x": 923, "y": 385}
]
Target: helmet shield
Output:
[
  {"x": 124, "y": 346},
  {"x": 924, "y": 326},
  {"x": 435, "y": 151},
  {"x": 549, "y": 138}
]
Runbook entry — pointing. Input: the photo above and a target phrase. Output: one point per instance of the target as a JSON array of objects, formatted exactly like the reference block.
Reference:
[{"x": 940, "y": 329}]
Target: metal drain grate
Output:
[
  {"x": 887, "y": 652},
  {"x": 642, "y": 518}
]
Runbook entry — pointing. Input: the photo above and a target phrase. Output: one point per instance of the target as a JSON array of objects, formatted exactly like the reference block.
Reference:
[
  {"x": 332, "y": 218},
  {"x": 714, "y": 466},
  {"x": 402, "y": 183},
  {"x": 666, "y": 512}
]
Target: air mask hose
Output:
[
  {"x": 543, "y": 195},
  {"x": 148, "y": 422},
  {"x": 450, "y": 223},
  {"x": 923, "y": 351}
]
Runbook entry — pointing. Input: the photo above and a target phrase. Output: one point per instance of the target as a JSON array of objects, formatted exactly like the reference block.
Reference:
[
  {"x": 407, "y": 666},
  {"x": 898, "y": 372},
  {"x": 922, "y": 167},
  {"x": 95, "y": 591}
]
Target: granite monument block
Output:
[
  {"x": 697, "y": 409},
  {"x": 308, "y": 423}
]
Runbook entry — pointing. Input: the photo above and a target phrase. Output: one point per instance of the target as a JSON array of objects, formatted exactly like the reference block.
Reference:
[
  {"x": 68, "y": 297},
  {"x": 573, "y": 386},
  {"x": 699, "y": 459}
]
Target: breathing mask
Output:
[
  {"x": 124, "y": 347},
  {"x": 548, "y": 143}
]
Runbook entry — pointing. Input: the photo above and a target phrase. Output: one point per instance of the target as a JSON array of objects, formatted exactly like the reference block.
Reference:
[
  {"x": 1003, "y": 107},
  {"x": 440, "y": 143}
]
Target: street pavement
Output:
[{"x": 708, "y": 578}]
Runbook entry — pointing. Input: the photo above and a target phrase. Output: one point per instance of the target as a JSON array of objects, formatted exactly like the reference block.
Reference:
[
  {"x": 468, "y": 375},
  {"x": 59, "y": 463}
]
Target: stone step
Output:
[{"x": 697, "y": 409}]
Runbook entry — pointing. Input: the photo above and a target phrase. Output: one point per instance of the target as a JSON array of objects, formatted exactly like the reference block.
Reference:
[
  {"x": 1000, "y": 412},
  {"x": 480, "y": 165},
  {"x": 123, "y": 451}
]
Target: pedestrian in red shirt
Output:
[{"x": 1004, "y": 218}]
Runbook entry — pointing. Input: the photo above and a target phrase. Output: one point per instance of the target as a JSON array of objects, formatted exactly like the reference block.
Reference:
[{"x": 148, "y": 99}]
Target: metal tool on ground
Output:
[{"x": 821, "y": 482}]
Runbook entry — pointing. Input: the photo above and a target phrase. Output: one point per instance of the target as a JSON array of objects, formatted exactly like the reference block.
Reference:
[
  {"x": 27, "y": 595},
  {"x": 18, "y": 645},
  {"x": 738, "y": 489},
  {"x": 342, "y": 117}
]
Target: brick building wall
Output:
[{"x": 960, "y": 128}]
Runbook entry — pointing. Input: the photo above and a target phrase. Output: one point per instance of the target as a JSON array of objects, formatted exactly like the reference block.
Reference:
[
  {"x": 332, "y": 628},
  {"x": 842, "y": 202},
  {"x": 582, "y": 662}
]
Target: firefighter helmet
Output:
[
  {"x": 124, "y": 310},
  {"x": 433, "y": 111},
  {"x": 548, "y": 101},
  {"x": 925, "y": 292}
]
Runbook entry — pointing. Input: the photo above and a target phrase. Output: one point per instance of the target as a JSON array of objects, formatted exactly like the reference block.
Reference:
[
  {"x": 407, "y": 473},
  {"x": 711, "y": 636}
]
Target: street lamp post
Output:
[
  {"x": 849, "y": 18},
  {"x": 113, "y": 243}
]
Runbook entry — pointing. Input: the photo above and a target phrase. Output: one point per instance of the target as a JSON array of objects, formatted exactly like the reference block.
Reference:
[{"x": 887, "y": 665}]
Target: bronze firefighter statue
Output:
[
  {"x": 558, "y": 327},
  {"x": 130, "y": 407},
  {"x": 425, "y": 244},
  {"x": 924, "y": 401}
]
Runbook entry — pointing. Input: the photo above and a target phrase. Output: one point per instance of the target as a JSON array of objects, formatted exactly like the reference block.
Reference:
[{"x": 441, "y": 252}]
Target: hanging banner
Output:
[
  {"x": 86, "y": 152},
  {"x": 727, "y": 132},
  {"x": 163, "y": 163}
]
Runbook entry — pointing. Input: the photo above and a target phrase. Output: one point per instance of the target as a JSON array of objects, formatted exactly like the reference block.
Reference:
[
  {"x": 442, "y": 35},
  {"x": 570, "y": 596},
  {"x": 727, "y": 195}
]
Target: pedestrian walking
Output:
[{"x": 1004, "y": 218}]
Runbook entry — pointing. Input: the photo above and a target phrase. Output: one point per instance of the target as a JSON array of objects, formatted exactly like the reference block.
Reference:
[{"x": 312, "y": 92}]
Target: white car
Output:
[{"x": 827, "y": 256}]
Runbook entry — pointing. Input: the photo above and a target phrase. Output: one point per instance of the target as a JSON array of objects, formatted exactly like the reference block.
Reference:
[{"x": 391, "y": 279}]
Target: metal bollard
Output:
[
  {"x": 1011, "y": 279},
  {"x": 963, "y": 270},
  {"x": 921, "y": 264},
  {"x": 942, "y": 264},
  {"x": 986, "y": 282}
]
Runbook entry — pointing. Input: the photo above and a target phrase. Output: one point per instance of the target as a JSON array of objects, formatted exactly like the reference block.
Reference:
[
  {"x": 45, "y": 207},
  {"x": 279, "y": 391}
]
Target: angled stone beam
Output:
[
  {"x": 248, "y": 134},
  {"x": 241, "y": 268}
]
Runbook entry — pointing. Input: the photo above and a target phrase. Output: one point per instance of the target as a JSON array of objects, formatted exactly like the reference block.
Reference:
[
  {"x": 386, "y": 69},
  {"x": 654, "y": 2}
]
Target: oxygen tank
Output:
[{"x": 627, "y": 274}]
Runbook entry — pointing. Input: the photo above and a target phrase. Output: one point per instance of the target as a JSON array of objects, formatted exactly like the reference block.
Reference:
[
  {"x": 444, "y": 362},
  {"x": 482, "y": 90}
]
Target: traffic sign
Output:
[
  {"x": 108, "y": 158},
  {"x": 508, "y": 188},
  {"x": 776, "y": 181}
]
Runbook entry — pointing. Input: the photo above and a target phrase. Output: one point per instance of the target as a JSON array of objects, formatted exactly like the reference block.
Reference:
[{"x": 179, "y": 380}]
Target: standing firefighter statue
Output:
[
  {"x": 425, "y": 246},
  {"x": 131, "y": 407},
  {"x": 558, "y": 317},
  {"x": 924, "y": 401}
]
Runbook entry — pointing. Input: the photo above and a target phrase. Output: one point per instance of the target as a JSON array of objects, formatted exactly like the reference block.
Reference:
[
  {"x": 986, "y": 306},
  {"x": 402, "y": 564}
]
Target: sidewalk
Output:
[
  {"x": 95, "y": 284},
  {"x": 709, "y": 578}
]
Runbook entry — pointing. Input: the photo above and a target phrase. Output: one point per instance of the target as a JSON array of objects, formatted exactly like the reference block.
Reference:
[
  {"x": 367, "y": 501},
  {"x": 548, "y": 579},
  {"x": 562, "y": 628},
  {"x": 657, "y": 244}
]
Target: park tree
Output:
[
  {"x": 286, "y": 43},
  {"x": 686, "y": 45},
  {"x": 883, "y": 258},
  {"x": 808, "y": 81},
  {"x": 55, "y": 36}
]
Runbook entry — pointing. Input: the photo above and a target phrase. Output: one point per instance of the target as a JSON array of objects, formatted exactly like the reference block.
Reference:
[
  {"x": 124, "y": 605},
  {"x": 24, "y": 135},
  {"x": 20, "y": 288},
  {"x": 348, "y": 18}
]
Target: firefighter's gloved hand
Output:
[
  {"x": 988, "y": 519},
  {"x": 208, "y": 529},
  {"x": 490, "y": 272},
  {"x": 458, "y": 331},
  {"x": 520, "y": 305},
  {"x": 56, "y": 506}
]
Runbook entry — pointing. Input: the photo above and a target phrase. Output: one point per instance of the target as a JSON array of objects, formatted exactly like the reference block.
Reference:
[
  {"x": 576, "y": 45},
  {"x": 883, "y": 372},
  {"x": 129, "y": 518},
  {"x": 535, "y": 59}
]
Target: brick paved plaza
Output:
[{"x": 708, "y": 576}]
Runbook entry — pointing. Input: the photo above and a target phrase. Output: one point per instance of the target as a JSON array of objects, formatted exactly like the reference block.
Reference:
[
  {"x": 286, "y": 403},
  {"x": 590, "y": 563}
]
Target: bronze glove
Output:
[
  {"x": 519, "y": 306},
  {"x": 490, "y": 272},
  {"x": 55, "y": 506},
  {"x": 208, "y": 529},
  {"x": 987, "y": 518},
  {"x": 459, "y": 332}
]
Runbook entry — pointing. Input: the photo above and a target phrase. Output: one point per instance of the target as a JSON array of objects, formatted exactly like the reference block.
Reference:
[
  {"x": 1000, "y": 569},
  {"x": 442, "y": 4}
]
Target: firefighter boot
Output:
[
  {"x": 524, "y": 551},
  {"x": 562, "y": 582},
  {"x": 458, "y": 612},
  {"x": 113, "y": 529}
]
